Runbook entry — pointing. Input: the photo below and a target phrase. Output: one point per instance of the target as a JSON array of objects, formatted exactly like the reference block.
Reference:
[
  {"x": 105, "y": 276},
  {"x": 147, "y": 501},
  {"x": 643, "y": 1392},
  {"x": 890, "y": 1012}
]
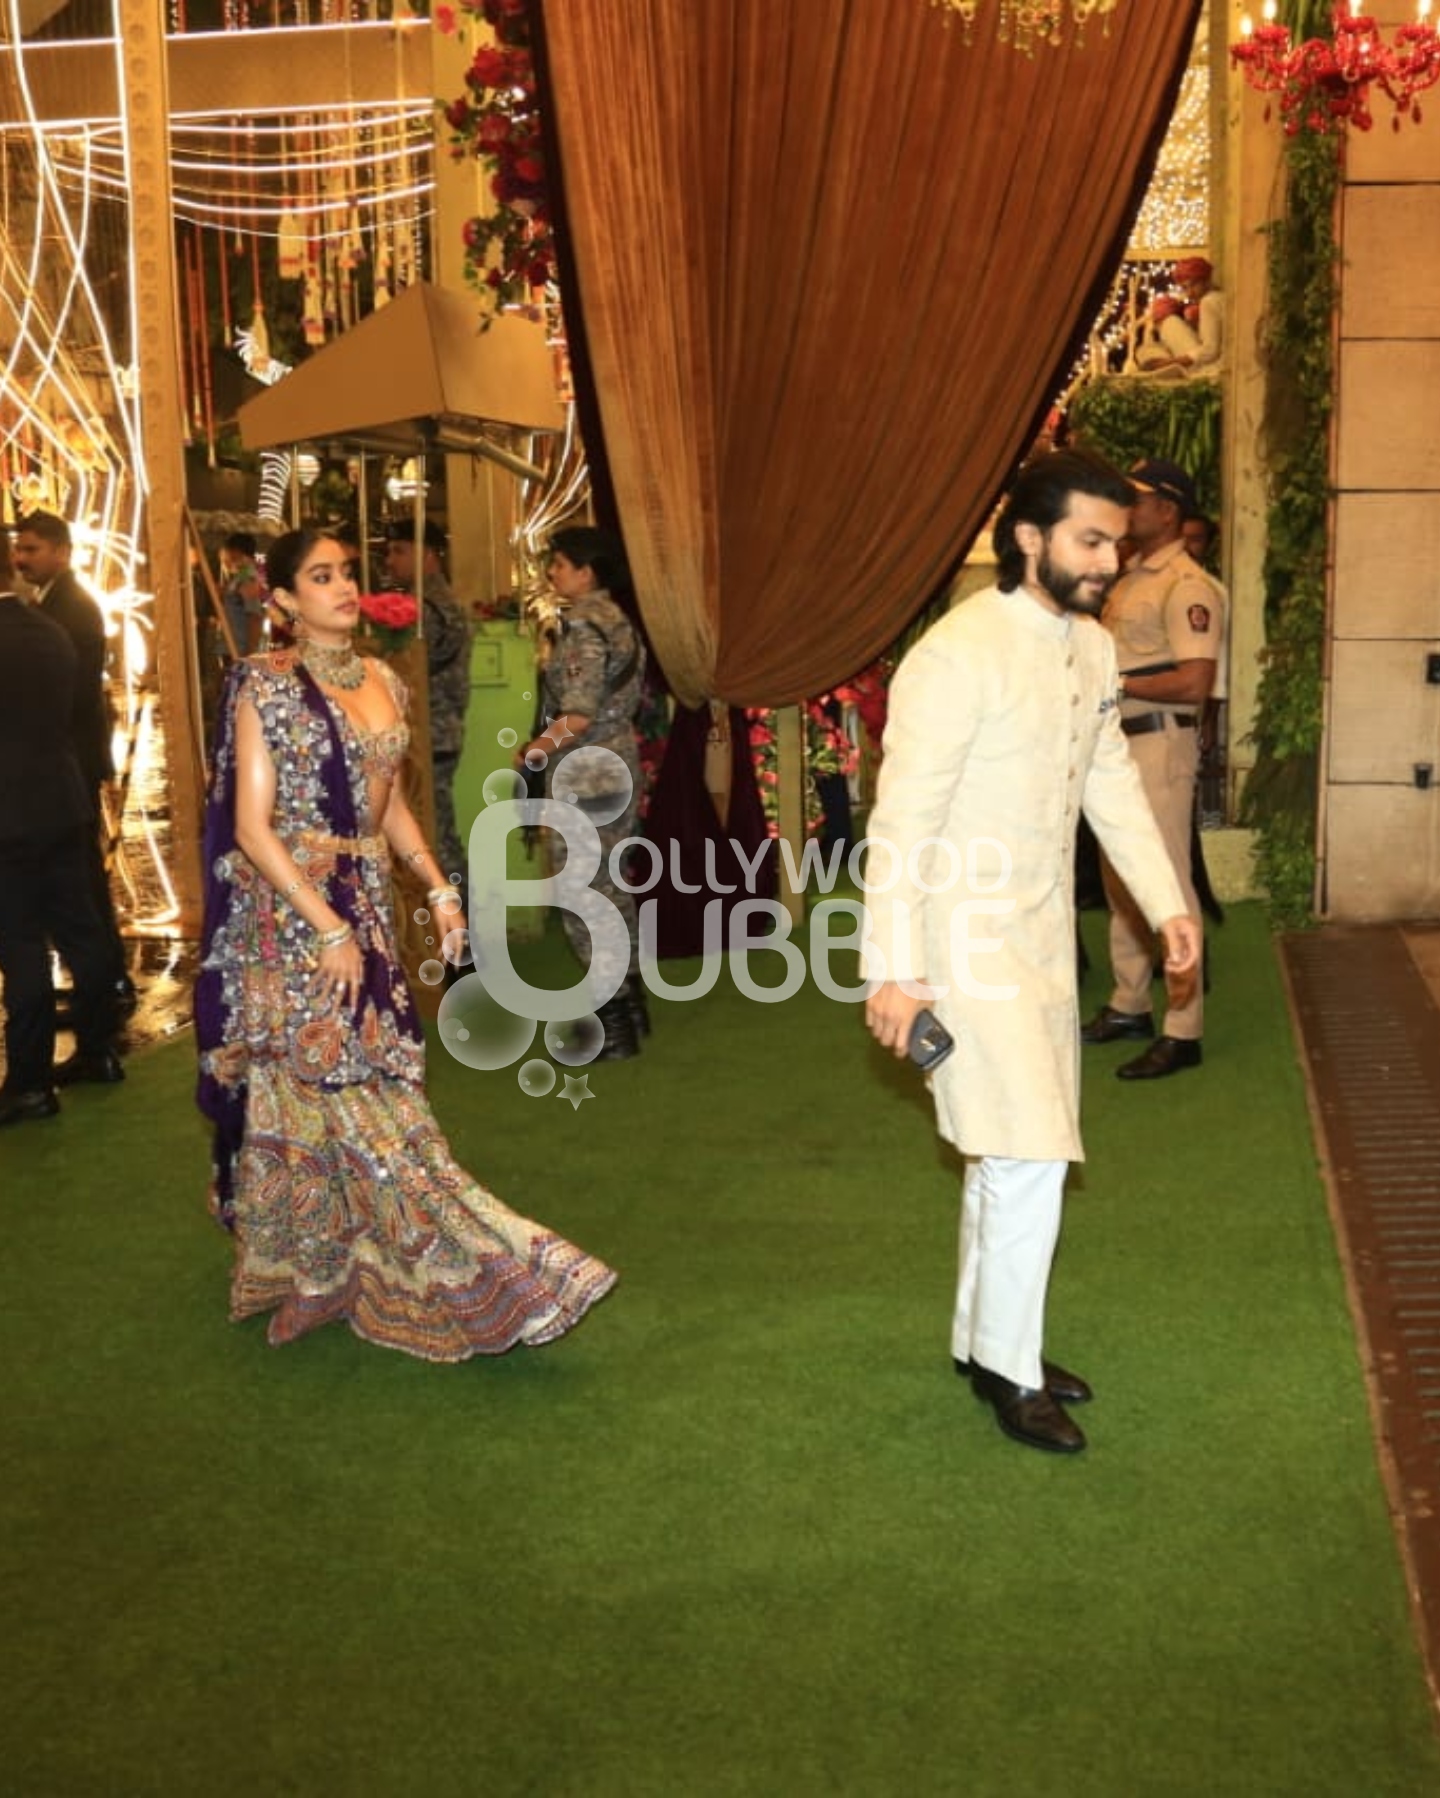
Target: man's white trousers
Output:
[{"x": 1009, "y": 1225}]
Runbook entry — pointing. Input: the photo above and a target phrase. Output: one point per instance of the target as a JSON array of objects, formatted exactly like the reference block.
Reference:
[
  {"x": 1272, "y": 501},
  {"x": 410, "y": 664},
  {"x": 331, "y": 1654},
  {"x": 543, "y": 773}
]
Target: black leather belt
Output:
[{"x": 1148, "y": 721}]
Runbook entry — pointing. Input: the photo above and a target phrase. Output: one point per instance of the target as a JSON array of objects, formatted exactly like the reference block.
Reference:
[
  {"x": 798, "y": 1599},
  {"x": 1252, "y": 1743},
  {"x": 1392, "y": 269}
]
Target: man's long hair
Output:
[{"x": 1041, "y": 496}]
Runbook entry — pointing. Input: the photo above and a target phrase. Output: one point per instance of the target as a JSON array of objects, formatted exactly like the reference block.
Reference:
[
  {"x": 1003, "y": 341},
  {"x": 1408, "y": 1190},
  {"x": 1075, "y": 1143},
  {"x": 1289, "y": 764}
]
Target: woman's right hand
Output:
[
  {"x": 339, "y": 972},
  {"x": 449, "y": 914}
]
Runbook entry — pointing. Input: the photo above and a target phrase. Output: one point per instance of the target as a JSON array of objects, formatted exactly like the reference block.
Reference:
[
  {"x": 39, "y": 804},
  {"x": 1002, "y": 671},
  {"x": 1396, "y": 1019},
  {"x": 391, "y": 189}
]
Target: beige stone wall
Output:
[{"x": 1380, "y": 834}]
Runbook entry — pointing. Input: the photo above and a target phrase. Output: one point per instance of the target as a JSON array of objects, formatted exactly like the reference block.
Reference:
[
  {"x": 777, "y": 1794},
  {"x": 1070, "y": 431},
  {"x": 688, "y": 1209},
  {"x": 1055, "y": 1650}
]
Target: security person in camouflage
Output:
[
  {"x": 591, "y": 690},
  {"x": 447, "y": 654}
]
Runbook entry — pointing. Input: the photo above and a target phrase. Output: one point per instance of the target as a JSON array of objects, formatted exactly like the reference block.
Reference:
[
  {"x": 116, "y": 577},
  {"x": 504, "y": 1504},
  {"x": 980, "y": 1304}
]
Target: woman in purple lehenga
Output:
[{"x": 329, "y": 1167}]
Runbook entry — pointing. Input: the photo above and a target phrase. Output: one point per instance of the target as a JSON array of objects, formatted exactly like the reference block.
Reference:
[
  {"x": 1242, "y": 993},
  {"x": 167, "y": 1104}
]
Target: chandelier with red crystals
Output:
[{"x": 1323, "y": 84}]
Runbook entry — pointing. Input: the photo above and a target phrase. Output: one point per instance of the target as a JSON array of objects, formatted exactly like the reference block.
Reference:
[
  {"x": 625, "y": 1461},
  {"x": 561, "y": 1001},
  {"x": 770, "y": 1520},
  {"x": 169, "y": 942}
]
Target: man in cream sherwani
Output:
[{"x": 1003, "y": 728}]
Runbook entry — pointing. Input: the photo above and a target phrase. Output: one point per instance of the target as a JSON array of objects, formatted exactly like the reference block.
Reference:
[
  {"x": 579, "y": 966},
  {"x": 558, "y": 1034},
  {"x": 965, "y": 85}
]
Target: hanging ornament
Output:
[
  {"x": 259, "y": 358},
  {"x": 314, "y": 320},
  {"x": 291, "y": 246}
]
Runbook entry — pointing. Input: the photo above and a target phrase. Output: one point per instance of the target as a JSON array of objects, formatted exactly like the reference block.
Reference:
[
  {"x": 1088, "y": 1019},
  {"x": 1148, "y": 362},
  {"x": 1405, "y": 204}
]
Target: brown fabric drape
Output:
[
  {"x": 700, "y": 865},
  {"x": 829, "y": 259}
]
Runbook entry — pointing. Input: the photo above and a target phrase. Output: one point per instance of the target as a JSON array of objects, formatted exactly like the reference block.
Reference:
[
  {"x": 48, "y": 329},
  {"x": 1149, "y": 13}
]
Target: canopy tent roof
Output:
[{"x": 419, "y": 374}]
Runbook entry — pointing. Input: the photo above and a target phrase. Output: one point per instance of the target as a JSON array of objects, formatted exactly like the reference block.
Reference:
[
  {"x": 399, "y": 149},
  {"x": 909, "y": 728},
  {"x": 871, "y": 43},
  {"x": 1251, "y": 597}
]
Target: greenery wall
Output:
[
  {"x": 1127, "y": 417},
  {"x": 1282, "y": 793}
]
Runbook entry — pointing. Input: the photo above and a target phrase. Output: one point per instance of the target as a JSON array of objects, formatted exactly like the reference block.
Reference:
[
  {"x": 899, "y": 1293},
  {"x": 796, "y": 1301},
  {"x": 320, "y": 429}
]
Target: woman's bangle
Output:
[
  {"x": 336, "y": 938},
  {"x": 294, "y": 886},
  {"x": 436, "y": 894}
]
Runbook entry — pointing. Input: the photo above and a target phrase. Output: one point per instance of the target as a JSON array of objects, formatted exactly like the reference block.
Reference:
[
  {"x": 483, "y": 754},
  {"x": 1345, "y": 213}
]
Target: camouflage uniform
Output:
[
  {"x": 447, "y": 653},
  {"x": 597, "y": 671}
]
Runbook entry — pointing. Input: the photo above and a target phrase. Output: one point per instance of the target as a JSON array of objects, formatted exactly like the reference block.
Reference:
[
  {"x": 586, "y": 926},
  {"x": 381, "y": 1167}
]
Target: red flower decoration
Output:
[
  {"x": 508, "y": 252},
  {"x": 389, "y": 619}
]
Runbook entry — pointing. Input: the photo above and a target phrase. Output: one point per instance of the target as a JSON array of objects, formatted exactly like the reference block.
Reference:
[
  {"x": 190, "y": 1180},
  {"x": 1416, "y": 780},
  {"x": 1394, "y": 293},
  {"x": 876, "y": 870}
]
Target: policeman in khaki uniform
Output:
[{"x": 1168, "y": 620}]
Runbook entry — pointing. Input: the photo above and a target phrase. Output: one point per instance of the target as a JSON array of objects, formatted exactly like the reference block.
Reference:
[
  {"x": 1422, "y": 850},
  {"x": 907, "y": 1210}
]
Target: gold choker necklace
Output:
[{"x": 341, "y": 668}]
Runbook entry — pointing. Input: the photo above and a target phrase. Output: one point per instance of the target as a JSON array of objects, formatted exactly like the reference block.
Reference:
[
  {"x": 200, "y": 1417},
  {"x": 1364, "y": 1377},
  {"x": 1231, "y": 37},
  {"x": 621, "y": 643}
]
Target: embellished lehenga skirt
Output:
[{"x": 349, "y": 1205}]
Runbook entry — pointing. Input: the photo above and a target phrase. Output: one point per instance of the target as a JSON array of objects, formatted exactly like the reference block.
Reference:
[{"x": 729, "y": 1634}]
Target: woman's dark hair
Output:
[
  {"x": 1041, "y": 496},
  {"x": 286, "y": 555},
  {"x": 587, "y": 546},
  {"x": 241, "y": 543}
]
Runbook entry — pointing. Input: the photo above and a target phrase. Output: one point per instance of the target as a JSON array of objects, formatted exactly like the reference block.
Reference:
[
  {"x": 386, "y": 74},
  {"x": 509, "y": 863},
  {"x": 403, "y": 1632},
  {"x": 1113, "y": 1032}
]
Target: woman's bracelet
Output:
[
  {"x": 436, "y": 894},
  {"x": 336, "y": 938},
  {"x": 294, "y": 886}
]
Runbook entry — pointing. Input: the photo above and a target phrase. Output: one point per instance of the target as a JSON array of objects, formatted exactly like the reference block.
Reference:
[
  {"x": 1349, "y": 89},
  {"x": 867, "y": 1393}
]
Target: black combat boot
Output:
[
  {"x": 621, "y": 1042},
  {"x": 633, "y": 992}
]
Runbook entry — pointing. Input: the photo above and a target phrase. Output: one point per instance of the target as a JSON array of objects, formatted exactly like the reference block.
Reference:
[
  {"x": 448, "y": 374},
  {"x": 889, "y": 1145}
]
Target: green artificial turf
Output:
[{"x": 744, "y": 1531}]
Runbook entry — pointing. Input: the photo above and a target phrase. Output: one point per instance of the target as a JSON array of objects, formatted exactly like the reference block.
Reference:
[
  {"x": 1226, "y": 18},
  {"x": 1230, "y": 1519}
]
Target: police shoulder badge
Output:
[{"x": 1199, "y": 617}]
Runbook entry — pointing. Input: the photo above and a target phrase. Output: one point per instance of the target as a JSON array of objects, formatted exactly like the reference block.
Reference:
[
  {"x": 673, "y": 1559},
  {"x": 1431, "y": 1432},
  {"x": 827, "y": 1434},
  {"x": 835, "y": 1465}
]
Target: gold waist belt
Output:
[{"x": 314, "y": 839}]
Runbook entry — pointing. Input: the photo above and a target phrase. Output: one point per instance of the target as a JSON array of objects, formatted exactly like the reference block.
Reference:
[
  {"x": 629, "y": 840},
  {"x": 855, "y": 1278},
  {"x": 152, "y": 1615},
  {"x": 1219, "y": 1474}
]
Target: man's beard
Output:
[{"x": 1073, "y": 592}]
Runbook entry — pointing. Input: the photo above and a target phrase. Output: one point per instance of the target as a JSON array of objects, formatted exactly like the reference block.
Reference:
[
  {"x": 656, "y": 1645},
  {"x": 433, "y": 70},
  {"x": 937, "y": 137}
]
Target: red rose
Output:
[{"x": 487, "y": 68}]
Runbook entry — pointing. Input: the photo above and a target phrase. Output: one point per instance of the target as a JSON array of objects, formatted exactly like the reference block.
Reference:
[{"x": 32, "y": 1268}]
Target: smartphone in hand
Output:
[{"x": 930, "y": 1041}]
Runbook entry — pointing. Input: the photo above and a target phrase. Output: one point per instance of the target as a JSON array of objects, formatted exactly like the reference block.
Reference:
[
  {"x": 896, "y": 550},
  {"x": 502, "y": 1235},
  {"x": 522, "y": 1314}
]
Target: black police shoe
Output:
[
  {"x": 1166, "y": 1055},
  {"x": 1111, "y": 1026}
]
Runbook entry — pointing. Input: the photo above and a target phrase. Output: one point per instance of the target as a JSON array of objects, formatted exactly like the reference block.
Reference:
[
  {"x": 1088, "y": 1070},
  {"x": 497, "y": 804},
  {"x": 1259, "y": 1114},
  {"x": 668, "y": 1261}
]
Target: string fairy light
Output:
[
  {"x": 71, "y": 439},
  {"x": 1175, "y": 214}
]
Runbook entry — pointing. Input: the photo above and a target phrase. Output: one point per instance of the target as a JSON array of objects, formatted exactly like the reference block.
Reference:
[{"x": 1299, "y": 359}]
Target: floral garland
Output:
[{"x": 509, "y": 252}]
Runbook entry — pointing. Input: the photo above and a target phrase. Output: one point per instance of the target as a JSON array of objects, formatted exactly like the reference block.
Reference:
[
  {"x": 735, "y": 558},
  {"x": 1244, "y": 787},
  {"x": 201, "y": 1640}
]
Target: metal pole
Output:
[{"x": 420, "y": 546}]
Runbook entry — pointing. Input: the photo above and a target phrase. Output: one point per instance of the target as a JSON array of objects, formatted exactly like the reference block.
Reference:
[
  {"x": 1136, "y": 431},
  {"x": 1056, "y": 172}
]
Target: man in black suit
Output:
[
  {"x": 47, "y": 830},
  {"x": 42, "y": 557}
]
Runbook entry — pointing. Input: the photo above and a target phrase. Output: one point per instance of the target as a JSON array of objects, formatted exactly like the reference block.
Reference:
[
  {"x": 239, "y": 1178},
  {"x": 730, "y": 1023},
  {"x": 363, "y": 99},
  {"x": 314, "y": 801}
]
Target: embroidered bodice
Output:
[
  {"x": 378, "y": 756},
  {"x": 300, "y": 746}
]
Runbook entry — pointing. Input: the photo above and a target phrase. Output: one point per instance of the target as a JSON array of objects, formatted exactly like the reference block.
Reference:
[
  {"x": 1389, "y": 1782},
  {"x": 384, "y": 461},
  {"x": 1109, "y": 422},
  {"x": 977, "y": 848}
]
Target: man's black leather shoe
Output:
[
  {"x": 1069, "y": 1388},
  {"x": 1111, "y": 1026},
  {"x": 25, "y": 1108},
  {"x": 1027, "y": 1415},
  {"x": 1166, "y": 1055},
  {"x": 101, "y": 1067}
]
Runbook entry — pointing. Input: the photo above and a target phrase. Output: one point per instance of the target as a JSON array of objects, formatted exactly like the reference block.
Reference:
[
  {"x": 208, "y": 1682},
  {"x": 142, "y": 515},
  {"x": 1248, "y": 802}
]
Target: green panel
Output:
[{"x": 502, "y": 674}]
